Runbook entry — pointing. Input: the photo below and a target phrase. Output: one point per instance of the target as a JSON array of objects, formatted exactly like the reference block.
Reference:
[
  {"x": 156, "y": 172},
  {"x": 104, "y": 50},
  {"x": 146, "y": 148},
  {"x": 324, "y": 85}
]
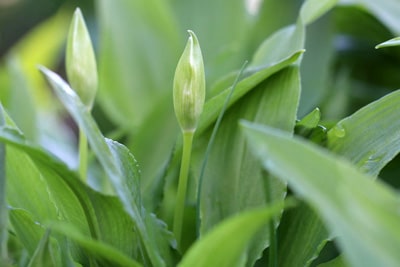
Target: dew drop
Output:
[
  {"x": 339, "y": 131},
  {"x": 371, "y": 163}
]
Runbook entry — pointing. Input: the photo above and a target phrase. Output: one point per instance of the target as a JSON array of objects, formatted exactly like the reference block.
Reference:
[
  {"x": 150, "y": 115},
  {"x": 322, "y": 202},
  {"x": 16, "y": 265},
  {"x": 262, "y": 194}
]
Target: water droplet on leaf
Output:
[{"x": 339, "y": 131}]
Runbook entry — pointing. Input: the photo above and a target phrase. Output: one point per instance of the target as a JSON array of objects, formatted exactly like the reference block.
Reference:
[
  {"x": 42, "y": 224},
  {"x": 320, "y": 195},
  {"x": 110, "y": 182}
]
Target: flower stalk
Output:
[
  {"x": 189, "y": 96},
  {"x": 82, "y": 75}
]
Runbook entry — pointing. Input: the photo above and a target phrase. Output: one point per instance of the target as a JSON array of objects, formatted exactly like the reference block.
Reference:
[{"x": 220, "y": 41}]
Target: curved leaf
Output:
[
  {"x": 389, "y": 43},
  {"x": 227, "y": 191},
  {"x": 105, "y": 254},
  {"x": 369, "y": 138},
  {"x": 225, "y": 245},
  {"x": 124, "y": 178},
  {"x": 363, "y": 213},
  {"x": 99, "y": 211},
  {"x": 313, "y": 9},
  {"x": 385, "y": 10}
]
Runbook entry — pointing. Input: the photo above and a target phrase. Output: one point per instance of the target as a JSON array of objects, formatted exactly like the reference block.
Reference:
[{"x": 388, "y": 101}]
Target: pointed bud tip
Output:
[{"x": 189, "y": 85}]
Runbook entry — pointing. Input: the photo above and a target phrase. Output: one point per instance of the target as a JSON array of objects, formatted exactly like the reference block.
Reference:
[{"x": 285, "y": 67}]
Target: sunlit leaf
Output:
[{"x": 391, "y": 42}]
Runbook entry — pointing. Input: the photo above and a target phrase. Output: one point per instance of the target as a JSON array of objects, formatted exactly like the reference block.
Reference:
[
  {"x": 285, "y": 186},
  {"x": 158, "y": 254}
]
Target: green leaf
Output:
[
  {"x": 369, "y": 138},
  {"x": 99, "y": 211},
  {"x": 386, "y": 11},
  {"x": 365, "y": 218},
  {"x": 283, "y": 44},
  {"x": 311, "y": 120},
  {"x": 105, "y": 254},
  {"x": 254, "y": 76},
  {"x": 45, "y": 254},
  {"x": 389, "y": 43},
  {"x": 370, "y": 133},
  {"x": 301, "y": 236},
  {"x": 226, "y": 243},
  {"x": 337, "y": 262},
  {"x": 137, "y": 58},
  {"x": 227, "y": 191},
  {"x": 121, "y": 177},
  {"x": 28, "y": 232},
  {"x": 311, "y": 10}
]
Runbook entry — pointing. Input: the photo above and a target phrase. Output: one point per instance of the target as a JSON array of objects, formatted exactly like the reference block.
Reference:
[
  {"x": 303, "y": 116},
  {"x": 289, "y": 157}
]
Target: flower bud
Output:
[
  {"x": 189, "y": 85},
  {"x": 80, "y": 60}
]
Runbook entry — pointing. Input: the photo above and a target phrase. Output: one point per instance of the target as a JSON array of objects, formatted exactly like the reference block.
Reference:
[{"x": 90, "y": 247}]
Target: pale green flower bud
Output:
[
  {"x": 80, "y": 60},
  {"x": 189, "y": 85}
]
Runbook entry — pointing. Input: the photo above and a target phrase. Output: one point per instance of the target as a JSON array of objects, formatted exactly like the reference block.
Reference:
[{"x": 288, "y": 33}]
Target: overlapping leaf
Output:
[
  {"x": 226, "y": 243},
  {"x": 365, "y": 218},
  {"x": 233, "y": 176},
  {"x": 121, "y": 169}
]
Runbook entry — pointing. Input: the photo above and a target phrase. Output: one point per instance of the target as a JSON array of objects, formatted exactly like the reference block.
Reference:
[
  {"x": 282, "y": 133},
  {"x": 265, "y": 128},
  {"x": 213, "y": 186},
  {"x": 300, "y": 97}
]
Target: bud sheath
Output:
[
  {"x": 80, "y": 60},
  {"x": 189, "y": 85}
]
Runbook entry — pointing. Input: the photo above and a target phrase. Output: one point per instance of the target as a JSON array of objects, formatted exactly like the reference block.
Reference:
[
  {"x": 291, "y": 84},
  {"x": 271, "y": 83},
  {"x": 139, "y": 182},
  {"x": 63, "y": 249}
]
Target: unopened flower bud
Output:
[
  {"x": 189, "y": 85},
  {"x": 80, "y": 60}
]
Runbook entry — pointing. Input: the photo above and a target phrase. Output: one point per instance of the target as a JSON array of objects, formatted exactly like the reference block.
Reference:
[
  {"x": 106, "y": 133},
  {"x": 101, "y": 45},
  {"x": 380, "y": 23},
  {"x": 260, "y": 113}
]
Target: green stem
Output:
[
  {"x": 182, "y": 186},
  {"x": 83, "y": 155}
]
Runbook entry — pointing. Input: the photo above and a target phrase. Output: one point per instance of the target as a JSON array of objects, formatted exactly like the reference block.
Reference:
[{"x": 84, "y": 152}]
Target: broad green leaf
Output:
[
  {"x": 227, "y": 191},
  {"x": 282, "y": 44},
  {"x": 254, "y": 76},
  {"x": 311, "y": 10},
  {"x": 369, "y": 138},
  {"x": 105, "y": 254},
  {"x": 365, "y": 218},
  {"x": 370, "y": 143},
  {"x": 337, "y": 262},
  {"x": 28, "y": 232},
  {"x": 45, "y": 254},
  {"x": 100, "y": 211},
  {"x": 391, "y": 42},
  {"x": 122, "y": 177},
  {"x": 385, "y": 10},
  {"x": 301, "y": 236},
  {"x": 33, "y": 236},
  {"x": 50, "y": 189},
  {"x": 226, "y": 243},
  {"x": 138, "y": 54}
]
